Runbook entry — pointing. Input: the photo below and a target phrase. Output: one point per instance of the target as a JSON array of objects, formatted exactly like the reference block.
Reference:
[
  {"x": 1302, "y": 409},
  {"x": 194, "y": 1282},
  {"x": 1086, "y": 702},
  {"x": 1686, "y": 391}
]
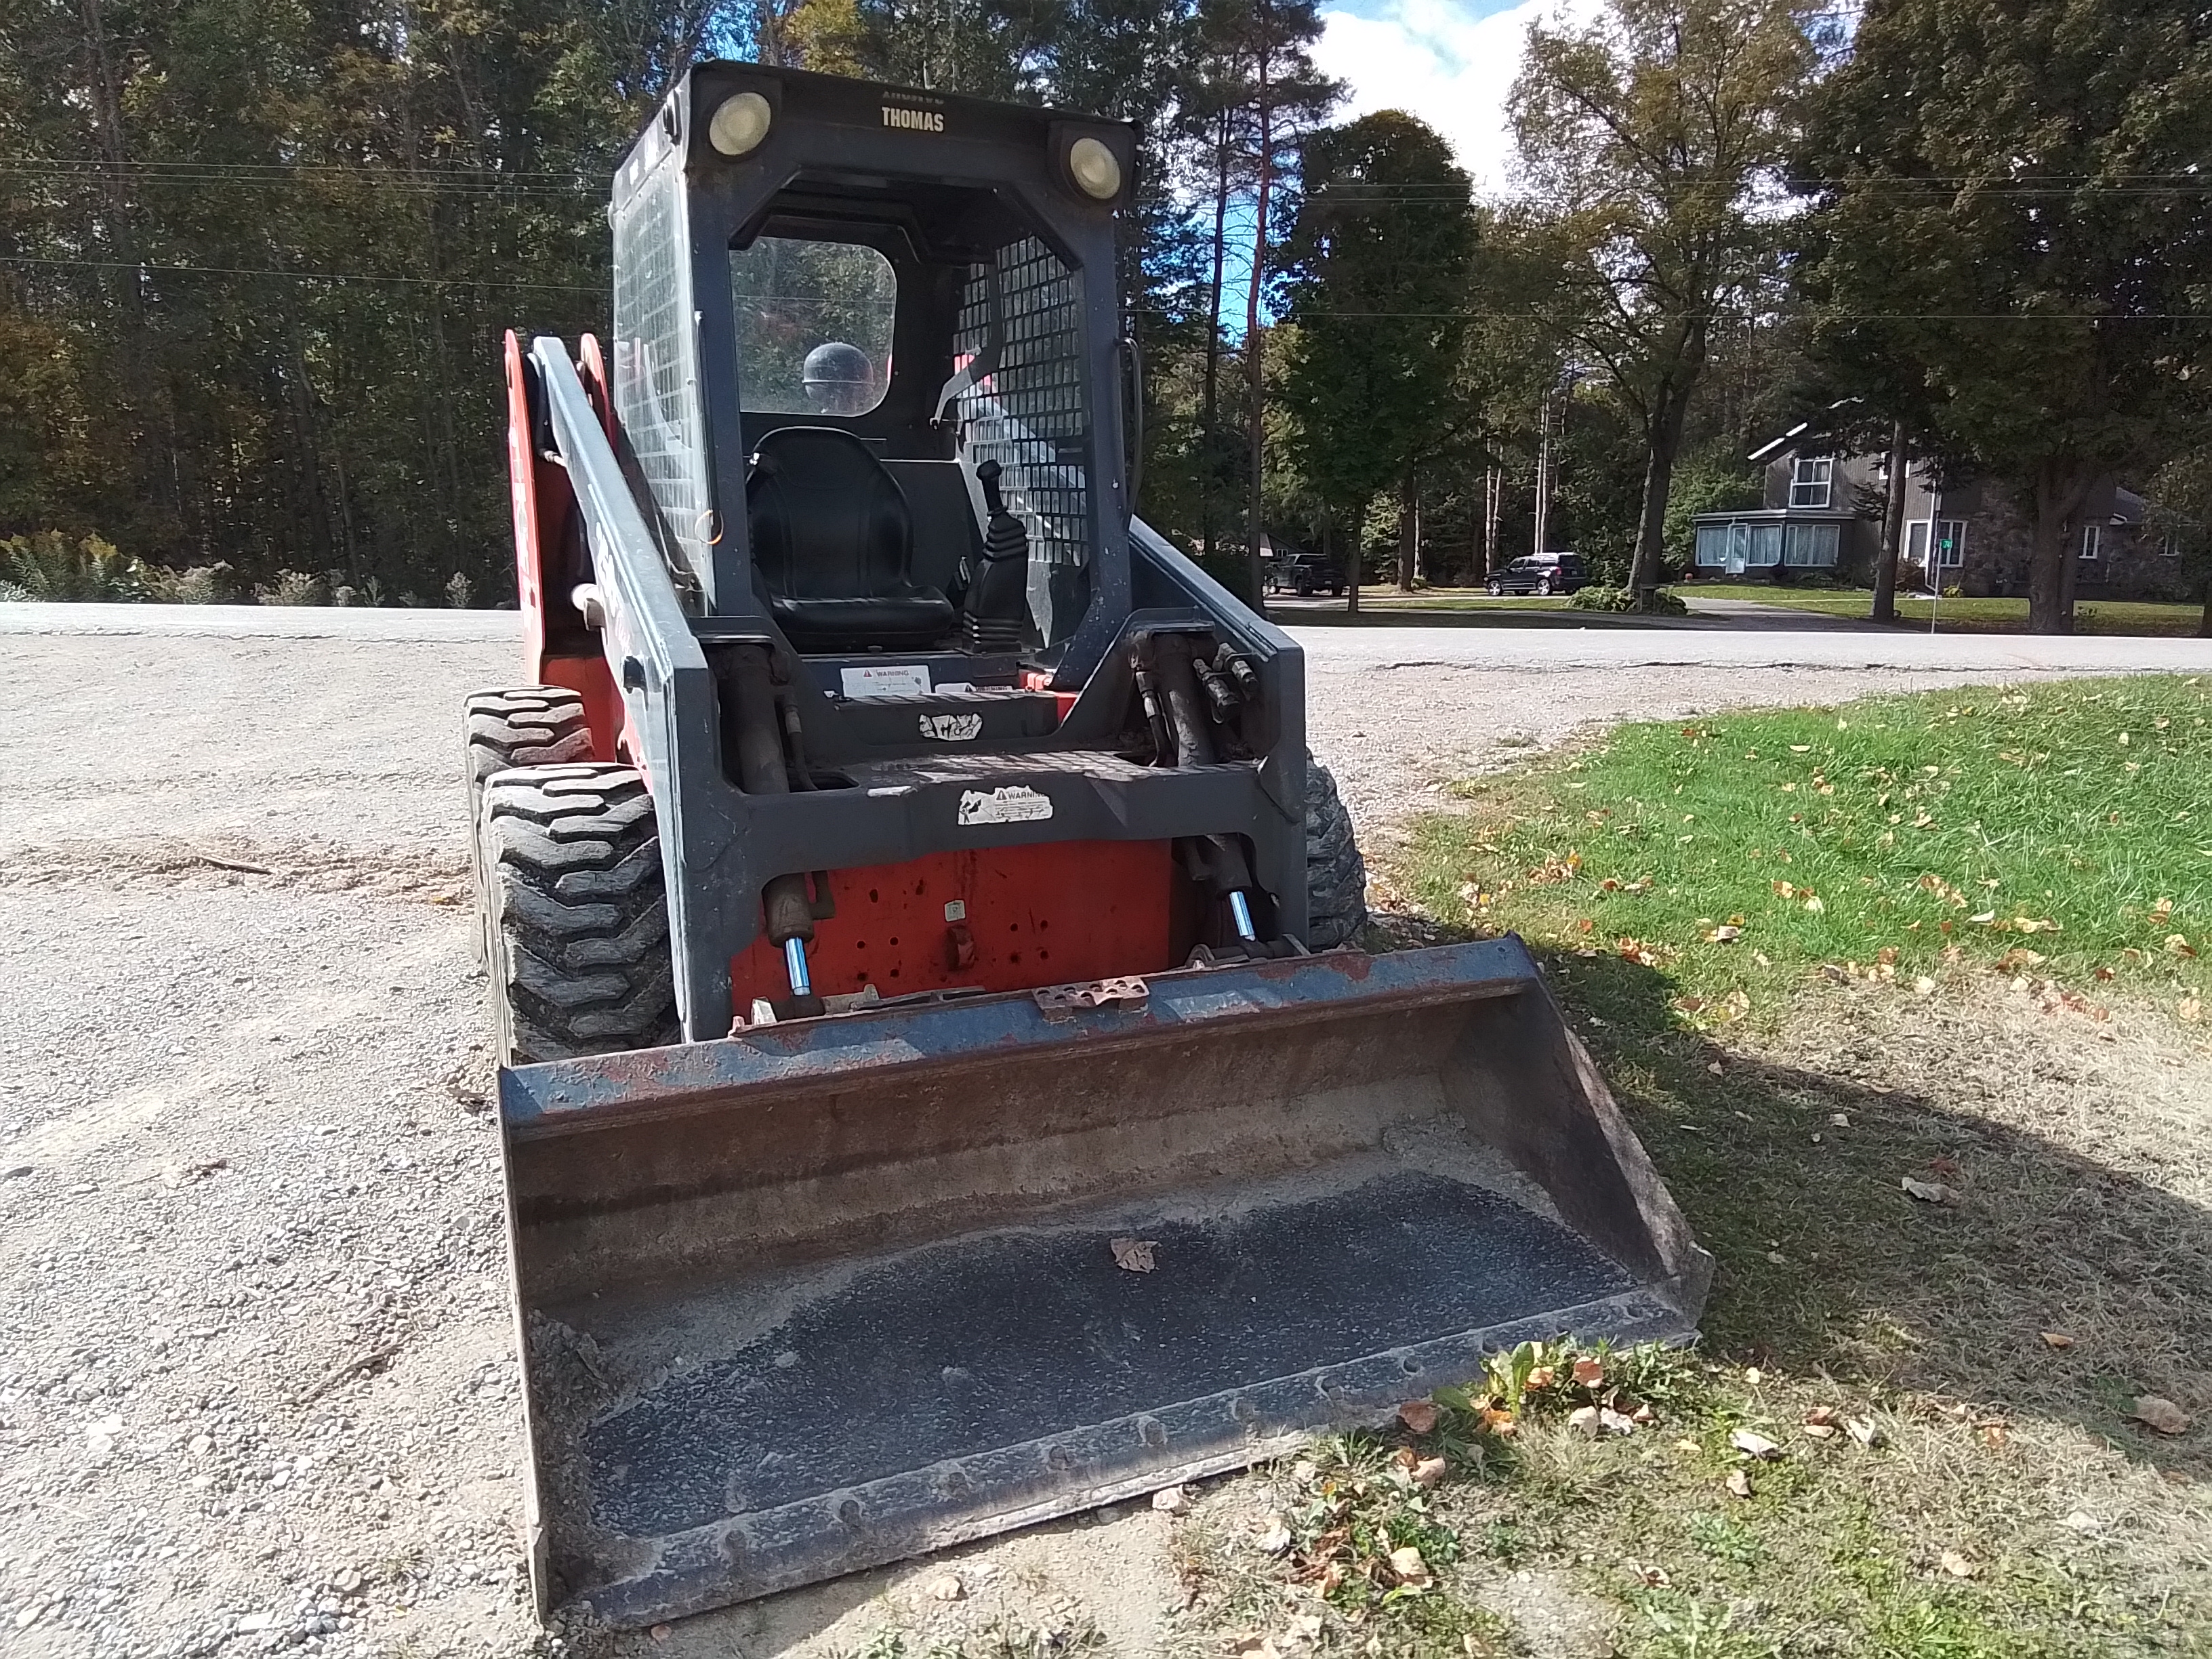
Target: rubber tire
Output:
[
  {"x": 507, "y": 727},
  {"x": 1497, "y": 589},
  {"x": 575, "y": 913},
  {"x": 1336, "y": 876},
  {"x": 1543, "y": 587}
]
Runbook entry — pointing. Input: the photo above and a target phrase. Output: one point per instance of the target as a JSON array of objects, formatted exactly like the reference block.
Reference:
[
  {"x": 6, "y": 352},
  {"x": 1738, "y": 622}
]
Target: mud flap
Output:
[{"x": 831, "y": 1294}]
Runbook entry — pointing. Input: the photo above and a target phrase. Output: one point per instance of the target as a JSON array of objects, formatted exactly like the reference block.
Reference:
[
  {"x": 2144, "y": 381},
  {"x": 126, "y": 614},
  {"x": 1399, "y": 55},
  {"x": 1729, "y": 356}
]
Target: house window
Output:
[
  {"x": 1765, "y": 545},
  {"x": 1810, "y": 545},
  {"x": 1950, "y": 538},
  {"x": 2170, "y": 547},
  {"x": 1813, "y": 481},
  {"x": 2093, "y": 541},
  {"x": 1712, "y": 546}
]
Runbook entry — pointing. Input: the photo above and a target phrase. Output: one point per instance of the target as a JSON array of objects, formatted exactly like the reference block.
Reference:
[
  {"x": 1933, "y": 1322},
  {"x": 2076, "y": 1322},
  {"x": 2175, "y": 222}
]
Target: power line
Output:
[{"x": 298, "y": 276}]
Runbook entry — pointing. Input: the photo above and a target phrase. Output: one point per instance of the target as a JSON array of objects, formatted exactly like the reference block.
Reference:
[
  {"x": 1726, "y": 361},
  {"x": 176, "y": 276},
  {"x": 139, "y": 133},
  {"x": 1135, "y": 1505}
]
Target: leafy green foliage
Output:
[
  {"x": 2013, "y": 256},
  {"x": 1646, "y": 134},
  {"x": 1660, "y": 603},
  {"x": 1378, "y": 260}
]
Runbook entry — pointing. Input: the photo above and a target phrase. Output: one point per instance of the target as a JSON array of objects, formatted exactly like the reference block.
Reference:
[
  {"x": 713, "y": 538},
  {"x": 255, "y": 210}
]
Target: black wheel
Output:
[
  {"x": 519, "y": 725},
  {"x": 1336, "y": 876},
  {"x": 576, "y": 914},
  {"x": 1496, "y": 588},
  {"x": 1543, "y": 587}
]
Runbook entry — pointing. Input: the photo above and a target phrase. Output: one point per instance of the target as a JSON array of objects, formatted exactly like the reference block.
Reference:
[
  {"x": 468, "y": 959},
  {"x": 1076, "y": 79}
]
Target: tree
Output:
[
  {"x": 1378, "y": 258},
  {"x": 1649, "y": 138},
  {"x": 2181, "y": 508},
  {"x": 2010, "y": 228},
  {"x": 1282, "y": 97}
]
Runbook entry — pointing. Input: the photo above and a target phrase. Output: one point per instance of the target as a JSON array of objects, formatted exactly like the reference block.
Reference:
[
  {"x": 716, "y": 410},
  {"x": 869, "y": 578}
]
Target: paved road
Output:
[{"x": 1335, "y": 645}]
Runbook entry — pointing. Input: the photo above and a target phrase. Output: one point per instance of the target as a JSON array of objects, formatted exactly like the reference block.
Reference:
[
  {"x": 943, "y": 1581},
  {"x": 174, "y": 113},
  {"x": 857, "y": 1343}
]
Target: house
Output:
[{"x": 1820, "y": 517}]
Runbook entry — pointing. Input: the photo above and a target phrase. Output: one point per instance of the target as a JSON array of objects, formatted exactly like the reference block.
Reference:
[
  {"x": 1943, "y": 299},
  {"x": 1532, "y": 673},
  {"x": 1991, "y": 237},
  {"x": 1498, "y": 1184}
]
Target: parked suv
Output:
[
  {"x": 1306, "y": 574},
  {"x": 1542, "y": 572}
]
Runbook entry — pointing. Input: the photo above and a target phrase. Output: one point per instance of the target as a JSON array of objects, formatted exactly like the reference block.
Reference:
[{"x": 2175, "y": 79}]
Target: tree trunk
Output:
[
  {"x": 2057, "y": 492},
  {"x": 1209, "y": 440},
  {"x": 1647, "y": 568},
  {"x": 1256, "y": 368},
  {"x": 1409, "y": 530},
  {"x": 1893, "y": 530},
  {"x": 1663, "y": 440}
]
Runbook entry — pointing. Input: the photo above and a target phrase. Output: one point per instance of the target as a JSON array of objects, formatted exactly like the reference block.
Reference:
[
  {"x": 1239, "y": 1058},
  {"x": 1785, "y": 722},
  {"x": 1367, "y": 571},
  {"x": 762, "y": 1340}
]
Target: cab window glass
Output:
[{"x": 814, "y": 326}]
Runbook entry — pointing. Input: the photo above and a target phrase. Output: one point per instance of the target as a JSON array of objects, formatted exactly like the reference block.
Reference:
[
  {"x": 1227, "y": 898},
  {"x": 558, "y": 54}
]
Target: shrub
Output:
[
  {"x": 1663, "y": 604},
  {"x": 293, "y": 587},
  {"x": 48, "y": 565},
  {"x": 203, "y": 584}
]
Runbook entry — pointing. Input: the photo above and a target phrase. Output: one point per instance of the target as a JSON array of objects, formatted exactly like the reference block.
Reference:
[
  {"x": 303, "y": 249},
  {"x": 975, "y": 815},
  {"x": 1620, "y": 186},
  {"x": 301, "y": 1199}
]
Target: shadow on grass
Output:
[{"x": 1826, "y": 1264}]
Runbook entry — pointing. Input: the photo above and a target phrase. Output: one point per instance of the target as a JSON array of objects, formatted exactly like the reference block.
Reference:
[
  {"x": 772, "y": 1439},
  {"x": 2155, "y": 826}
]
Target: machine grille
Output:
[
  {"x": 1028, "y": 416},
  {"x": 653, "y": 346}
]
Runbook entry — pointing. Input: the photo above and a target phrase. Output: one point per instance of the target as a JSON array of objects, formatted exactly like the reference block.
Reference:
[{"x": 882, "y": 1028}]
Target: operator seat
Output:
[{"x": 833, "y": 544}]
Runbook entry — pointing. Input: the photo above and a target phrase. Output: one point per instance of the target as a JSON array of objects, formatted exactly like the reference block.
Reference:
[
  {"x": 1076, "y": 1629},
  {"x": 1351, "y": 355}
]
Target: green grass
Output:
[
  {"x": 2063, "y": 830},
  {"x": 1962, "y": 616}
]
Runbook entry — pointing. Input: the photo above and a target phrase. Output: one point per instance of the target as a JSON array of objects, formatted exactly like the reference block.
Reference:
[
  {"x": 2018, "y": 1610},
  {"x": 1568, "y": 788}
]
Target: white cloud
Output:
[{"x": 1440, "y": 60}]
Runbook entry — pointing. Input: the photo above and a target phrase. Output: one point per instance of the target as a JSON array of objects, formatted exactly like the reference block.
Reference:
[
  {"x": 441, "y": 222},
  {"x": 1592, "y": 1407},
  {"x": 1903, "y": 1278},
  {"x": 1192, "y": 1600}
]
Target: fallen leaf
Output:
[
  {"x": 1754, "y": 1446},
  {"x": 1839, "y": 1120},
  {"x": 1429, "y": 1471},
  {"x": 176, "y": 1174},
  {"x": 1419, "y": 1416},
  {"x": 1616, "y": 1422},
  {"x": 1171, "y": 1500},
  {"x": 1958, "y": 1566},
  {"x": 1723, "y": 935},
  {"x": 1135, "y": 1255},
  {"x": 945, "y": 1587},
  {"x": 1865, "y": 1430},
  {"x": 1585, "y": 1419},
  {"x": 1406, "y": 1561},
  {"x": 2156, "y": 1411},
  {"x": 1738, "y": 1483},
  {"x": 1821, "y": 1431},
  {"x": 1815, "y": 905},
  {"x": 2080, "y": 1520},
  {"x": 1589, "y": 1373},
  {"x": 2056, "y": 1340},
  {"x": 1541, "y": 1378},
  {"x": 1275, "y": 1538},
  {"x": 1754, "y": 1375},
  {"x": 1924, "y": 986},
  {"x": 1928, "y": 1192},
  {"x": 1688, "y": 1447}
]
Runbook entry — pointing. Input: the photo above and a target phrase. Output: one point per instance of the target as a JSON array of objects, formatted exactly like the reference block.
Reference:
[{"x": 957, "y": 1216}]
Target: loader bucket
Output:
[{"x": 834, "y": 1293}]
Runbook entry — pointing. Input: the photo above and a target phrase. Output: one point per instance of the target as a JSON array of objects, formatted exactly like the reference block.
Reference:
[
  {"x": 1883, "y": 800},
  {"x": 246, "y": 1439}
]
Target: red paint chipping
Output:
[{"x": 1036, "y": 915}]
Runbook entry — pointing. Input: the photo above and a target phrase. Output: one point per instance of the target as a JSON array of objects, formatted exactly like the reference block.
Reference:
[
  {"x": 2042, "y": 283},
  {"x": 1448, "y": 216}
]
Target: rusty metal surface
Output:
[{"x": 836, "y": 1292}]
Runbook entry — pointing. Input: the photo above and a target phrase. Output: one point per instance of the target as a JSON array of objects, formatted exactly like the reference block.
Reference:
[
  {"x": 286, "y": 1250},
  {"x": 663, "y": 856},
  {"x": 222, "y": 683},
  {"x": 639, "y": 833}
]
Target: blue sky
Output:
[{"x": 1449, "y": 62}]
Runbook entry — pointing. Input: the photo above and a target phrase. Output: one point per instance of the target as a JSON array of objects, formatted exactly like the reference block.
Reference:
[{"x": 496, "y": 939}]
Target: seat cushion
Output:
[
  {"x": 916, "y": 619},
  {"x": 833, "y": 544}
]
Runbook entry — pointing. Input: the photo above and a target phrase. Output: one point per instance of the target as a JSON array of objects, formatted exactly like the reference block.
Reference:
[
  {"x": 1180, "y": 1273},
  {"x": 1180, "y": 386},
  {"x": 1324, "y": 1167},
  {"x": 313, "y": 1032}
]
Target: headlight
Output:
[
  {"x": 740, "y": 124},
  {"x": 1094, "y": 168}
]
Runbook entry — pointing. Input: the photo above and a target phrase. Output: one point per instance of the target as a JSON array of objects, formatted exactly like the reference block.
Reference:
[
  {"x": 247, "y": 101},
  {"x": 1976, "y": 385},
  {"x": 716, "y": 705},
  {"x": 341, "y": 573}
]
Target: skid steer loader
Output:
[{"x": 939, "y": 1089}]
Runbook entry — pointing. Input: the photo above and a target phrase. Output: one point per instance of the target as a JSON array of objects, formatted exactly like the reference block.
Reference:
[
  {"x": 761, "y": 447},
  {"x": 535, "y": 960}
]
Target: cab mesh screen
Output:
[
  {"x": 652, "y": 346},
  {"x": 1028, "y": 414}
]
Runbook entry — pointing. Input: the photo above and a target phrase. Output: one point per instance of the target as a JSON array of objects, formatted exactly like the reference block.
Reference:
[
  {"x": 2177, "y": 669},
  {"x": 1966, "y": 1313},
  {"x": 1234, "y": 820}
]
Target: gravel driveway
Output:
[{"x": 257, "y": 1384}]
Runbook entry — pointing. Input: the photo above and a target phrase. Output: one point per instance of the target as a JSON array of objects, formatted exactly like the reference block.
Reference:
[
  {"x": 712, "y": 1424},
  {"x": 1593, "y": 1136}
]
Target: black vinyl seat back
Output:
[{"x": 833, "y": 544}]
